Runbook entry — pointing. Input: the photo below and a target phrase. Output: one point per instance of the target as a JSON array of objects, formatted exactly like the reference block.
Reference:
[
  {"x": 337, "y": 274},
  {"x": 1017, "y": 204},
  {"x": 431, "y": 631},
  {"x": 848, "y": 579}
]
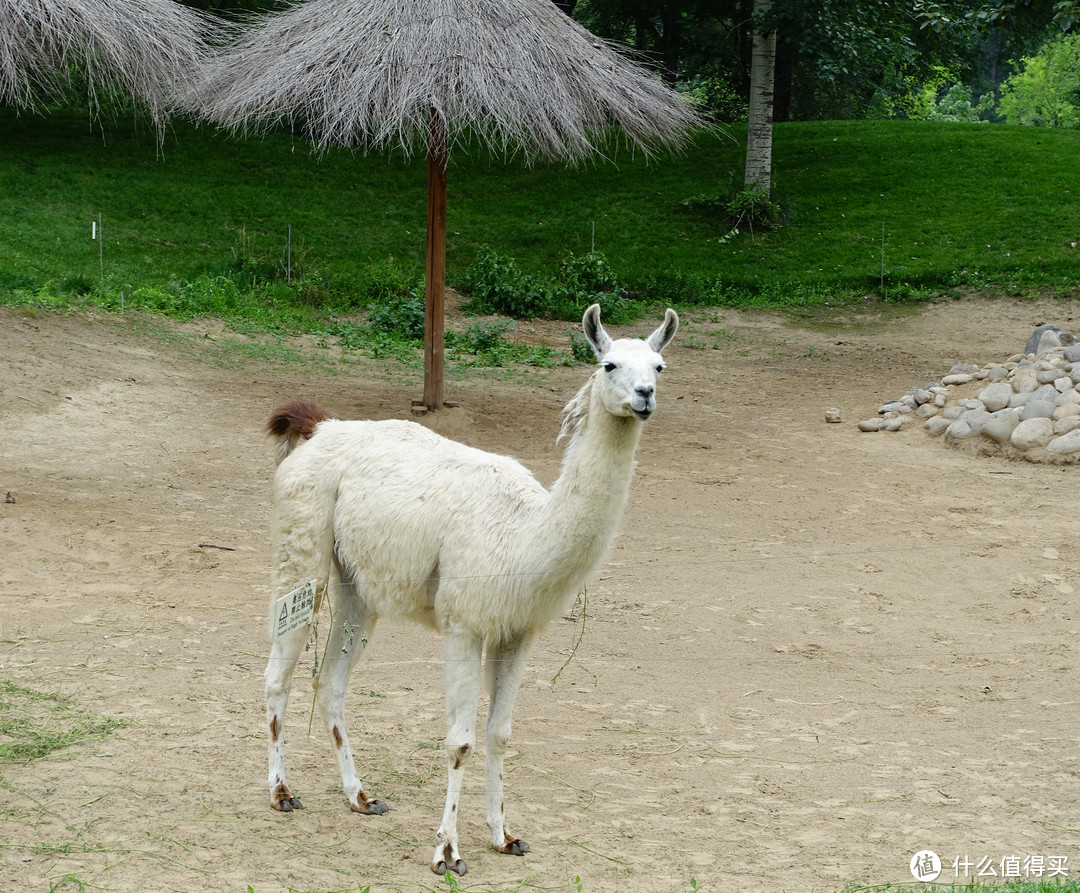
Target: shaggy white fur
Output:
[{"x": 394, "y": 520}]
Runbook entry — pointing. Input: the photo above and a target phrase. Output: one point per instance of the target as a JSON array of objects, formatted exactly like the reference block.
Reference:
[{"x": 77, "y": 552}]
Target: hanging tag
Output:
[{"x": 295, "y": 610}]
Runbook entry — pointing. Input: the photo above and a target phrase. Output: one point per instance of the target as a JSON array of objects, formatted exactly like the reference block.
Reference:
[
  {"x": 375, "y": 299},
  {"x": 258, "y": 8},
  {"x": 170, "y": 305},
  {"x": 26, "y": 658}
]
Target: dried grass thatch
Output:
[
  {"x": 517, "y": 74},
  {"x": 142, "y": 49}
]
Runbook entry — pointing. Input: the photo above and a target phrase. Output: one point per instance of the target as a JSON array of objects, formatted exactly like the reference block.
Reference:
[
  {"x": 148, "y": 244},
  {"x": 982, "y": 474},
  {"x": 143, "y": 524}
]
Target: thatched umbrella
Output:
[
  {"x": 141, "y": 49},
  {"x": 519, "y": 75}
]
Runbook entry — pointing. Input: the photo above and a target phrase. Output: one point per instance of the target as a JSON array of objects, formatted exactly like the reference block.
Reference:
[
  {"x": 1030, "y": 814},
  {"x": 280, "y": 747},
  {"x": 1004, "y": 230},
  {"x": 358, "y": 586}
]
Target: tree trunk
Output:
[{"x": 759, "y": 126}]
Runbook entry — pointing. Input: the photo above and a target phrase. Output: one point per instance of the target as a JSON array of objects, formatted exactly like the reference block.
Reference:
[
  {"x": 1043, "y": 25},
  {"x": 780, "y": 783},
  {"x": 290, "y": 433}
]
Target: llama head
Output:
[{"x": 629, "y": 367}]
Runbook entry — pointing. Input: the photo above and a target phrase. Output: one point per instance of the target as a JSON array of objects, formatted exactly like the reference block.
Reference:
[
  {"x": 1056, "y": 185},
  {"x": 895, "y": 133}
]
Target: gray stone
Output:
[
  {"x": 1037, "y": 409},
  {"x": 1032, "y": 433},
  {"x": 870, "y": 425},
  {"x": 957, "y": 378},
  {"x": 1047, "y": 376},
  {"x": 923, "y": 395},
  {"x": 1072, "y": 354},
  {"x": 962, "y": 369},
  {"x": 999, "y": 427},
  {"x": 1046, "y": 392},
  {"x": 996, "y": 396},
  {"x": 1035, "y": 339},
  {"x": 997, "y": 373},
  {"x": 937, "y": 425},
  {"x": 1066, "y": 443},
  {"x": 975, "y": 419},
  {"x": 1065, "y": 410},
  {"x": 1049, "y": 341},
  {"x": 892, "y": 424},
  {"x": 1063, "y": 384},
  {"x": 960, "y": 429},
  {"x": 952, "y": 412},
  {"x": 1067, "y": 424},
  {"x": 893, "y": 406},
  {"x": 1023, "y": 380},
  {"x": 926, "y": 411},
  {"x": 970, "y": 423}
]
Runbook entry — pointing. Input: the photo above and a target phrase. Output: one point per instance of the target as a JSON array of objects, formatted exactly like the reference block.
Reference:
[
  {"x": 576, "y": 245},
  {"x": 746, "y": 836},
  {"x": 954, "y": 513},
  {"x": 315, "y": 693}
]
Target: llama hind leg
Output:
[
  {"x": 279, "y": 672},
  {"x": 463, "y": 653},
  {"x": 303, "y": 543},
  {"x": 506, "y": 667},
  {"x": 352, "y": 624}
]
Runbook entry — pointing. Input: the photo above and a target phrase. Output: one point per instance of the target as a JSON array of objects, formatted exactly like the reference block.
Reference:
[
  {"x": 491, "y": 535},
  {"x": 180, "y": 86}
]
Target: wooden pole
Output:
[{"x": 435, "y": 275}]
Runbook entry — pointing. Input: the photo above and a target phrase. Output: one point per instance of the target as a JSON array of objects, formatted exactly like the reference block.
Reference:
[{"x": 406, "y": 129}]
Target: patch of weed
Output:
[{"x": 35, "y": 724}]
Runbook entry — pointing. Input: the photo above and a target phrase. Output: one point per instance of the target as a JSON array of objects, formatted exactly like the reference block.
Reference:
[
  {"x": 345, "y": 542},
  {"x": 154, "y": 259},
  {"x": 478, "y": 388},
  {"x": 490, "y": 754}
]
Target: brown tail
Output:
[{"x": 292, "y": 423}]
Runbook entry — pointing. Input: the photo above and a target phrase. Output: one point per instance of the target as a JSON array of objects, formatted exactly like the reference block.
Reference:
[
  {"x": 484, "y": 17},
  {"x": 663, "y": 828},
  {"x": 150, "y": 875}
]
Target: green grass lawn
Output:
[{"x": 959, "y": 206}]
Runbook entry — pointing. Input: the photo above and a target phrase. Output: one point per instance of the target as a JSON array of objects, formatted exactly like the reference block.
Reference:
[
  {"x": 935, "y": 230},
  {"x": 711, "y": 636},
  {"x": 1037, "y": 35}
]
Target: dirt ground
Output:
[{"x": 812, "y": 654}]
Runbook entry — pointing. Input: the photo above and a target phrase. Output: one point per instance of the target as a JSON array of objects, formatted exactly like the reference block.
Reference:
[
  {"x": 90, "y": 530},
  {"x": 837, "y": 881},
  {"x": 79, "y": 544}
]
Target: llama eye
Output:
[
  {"x": 609, "y": 367},
  {"x": 660, "y": 368}
]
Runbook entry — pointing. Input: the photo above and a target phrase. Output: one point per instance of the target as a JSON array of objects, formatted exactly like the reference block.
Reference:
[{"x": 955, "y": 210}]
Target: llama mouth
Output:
[{"x": 642, "y": 415}]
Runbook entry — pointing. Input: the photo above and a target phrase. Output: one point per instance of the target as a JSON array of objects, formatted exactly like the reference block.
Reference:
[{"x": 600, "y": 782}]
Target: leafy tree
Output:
[{"x": 1046, "y": 90}]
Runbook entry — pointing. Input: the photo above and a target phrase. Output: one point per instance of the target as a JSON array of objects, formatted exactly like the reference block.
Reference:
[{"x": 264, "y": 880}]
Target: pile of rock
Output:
[{"x": 1025, "y": 407}]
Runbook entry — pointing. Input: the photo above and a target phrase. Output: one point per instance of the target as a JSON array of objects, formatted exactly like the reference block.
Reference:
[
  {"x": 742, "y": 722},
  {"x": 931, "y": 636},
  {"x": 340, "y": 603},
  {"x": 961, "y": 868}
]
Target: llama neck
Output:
[{"x": 588, "y": 499}]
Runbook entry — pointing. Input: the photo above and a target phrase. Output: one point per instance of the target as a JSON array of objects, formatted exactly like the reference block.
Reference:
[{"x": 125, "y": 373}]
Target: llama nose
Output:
[{"x": 646, "y": 391}]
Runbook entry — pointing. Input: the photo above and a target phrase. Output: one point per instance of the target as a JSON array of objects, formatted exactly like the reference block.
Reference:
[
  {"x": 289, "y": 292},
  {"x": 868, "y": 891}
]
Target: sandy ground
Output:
[{"x": 813, "y": 652}]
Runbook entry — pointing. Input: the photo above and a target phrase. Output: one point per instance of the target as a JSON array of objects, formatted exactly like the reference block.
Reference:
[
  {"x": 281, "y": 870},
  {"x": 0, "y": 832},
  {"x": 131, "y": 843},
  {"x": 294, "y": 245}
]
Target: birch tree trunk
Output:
[{"x": 760, "y": 122}]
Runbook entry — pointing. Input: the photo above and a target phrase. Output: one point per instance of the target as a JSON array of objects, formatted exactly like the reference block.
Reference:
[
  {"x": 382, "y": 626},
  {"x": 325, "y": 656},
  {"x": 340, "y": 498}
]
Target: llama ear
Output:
[
  {"x": 661, "y": 338},
  {"x": 598, "y": 338}
]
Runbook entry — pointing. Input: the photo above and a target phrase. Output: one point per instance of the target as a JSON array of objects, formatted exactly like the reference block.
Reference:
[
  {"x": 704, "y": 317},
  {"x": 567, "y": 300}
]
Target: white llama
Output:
[{"x": 394, "y": 520}]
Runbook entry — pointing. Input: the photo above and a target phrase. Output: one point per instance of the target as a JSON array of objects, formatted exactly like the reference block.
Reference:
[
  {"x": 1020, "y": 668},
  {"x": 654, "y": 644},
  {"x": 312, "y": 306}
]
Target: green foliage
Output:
[
  {"x": 484, "y": 340},
  {"x": 403, "y": 318},
  {"x": 752, "y": 208},
  {"x": 495, "y": 284},
  {"x": 717, "y": 99},
  {"x": 1045, "y": 92},
  {"x": 958, "y": 106},
  {"x": 172, "y": 222},
  {"x": 580, "y": 348}
]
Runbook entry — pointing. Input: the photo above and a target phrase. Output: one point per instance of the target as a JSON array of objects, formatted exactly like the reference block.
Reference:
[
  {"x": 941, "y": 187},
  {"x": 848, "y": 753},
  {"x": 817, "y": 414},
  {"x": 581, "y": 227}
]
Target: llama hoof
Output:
[
  {"x": 368, "y": 807},
  {"x": 283, "y": 800},
  {"x": 458, "y": 866},
  {"x": 513, "y": 847}
]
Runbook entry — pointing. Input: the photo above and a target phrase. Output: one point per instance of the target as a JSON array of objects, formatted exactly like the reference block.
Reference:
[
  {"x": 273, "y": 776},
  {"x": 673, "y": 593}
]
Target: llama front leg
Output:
[
  {"x": 506, "y": 667},
  {"x": 351, "y": 625},
  {"x": 463, "y": 653}
]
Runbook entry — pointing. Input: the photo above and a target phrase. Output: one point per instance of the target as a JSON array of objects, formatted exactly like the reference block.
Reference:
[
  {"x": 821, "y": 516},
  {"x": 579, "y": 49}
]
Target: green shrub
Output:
[
  {"x": 717, "y": 99},
  {"x": 495, "y": 284},
  {"x": 1045, "y": 92},
  {"x": 745, "y": 207},
  {"x": 484, "y": 339},
  {"x": 403, "y": 318},
  {"x": 580, "y": 348}
]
